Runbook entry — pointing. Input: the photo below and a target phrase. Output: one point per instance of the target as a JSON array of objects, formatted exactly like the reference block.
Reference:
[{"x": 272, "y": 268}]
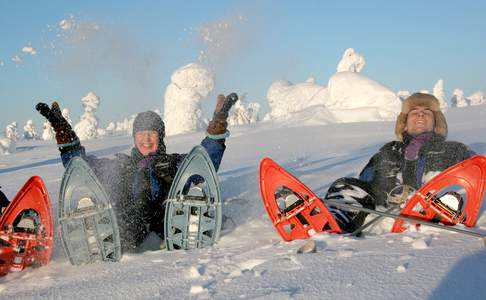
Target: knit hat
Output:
[
  {"x": 425, "y": 100},
  {"x": 149, "y": 120}
]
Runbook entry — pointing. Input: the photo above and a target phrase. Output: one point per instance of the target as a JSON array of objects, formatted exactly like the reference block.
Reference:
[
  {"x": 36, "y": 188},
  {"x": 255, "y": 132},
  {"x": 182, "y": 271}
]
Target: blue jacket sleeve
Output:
[
  {"x": 66, "y": 155},
  {"x": 215, "y": 149}
]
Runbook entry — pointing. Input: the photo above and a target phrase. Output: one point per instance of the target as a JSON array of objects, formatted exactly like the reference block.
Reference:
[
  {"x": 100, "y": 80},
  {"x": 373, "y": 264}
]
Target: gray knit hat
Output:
[{"x": 149, "y": 120}]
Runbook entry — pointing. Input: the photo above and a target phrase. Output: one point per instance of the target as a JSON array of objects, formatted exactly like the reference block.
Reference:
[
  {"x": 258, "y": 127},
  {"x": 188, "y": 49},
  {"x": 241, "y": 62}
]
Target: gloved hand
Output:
[
  {"x": 165, "y": 166},
  {"x": 218, "y": 124},
  {"x": 64, "y": 133}
]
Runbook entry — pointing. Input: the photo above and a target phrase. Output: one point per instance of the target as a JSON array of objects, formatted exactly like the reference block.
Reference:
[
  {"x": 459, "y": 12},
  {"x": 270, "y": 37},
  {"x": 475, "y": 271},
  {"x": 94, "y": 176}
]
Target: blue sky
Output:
[{"x": 408, "y": 45}]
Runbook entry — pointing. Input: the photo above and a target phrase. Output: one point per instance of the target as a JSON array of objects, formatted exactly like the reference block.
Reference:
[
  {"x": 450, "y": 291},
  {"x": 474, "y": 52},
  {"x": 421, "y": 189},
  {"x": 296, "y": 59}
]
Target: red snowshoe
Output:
[
  {"x": 294, "y": 209},
  {"x": 442, "y": 198},
  {"x": 26, "y": 228}
]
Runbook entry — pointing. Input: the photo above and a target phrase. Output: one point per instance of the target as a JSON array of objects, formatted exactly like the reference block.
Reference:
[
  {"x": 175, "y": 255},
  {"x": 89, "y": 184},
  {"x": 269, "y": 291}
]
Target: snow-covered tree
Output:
[
  {"x": 458, "y": 99},
  {"x": 351, "y": 61},
  {"x": 110, "y": 129},
  {"x": 29, "y": 131},
  {"x": 182, "y": 108},
  {"x": 67, "y": 115},
  {"x": 244, "y": 113},
  {"x": 87, "y": 128},
  {"x": 47, "y": 131},
  {"x": 120, "y": 126},
  {"x": 477, "y": 98},
  {"x": 439, "y": 93},
  {"x": 8, "y": 144},
  {"x": 403, "y": 95},
  {"x": 11, "y": 131}
]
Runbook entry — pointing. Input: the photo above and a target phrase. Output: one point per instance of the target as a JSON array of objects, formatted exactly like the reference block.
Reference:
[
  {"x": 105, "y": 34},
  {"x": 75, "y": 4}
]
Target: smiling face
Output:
[
  {"x": 146, "y": 141},
  {"x": 420, "y": 119}
]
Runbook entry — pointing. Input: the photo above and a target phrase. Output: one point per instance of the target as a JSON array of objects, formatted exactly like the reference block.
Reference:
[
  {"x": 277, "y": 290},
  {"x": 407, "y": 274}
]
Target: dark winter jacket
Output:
[
  {"x": 389, "y": 168},
  {"x": 138, "y": 186}
]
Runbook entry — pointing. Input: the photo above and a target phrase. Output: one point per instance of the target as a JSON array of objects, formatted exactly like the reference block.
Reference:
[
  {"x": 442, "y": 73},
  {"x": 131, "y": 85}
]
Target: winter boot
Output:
[{"x": 350, "y": 191}]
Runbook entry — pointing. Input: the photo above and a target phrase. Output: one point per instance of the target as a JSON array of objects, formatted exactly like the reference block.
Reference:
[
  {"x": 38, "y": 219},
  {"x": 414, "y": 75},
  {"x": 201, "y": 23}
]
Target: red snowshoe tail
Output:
[
  {"x": 26, "y": 228},
  {"x": 467, "y": 177},
  {"x": 294, "y": 209}
]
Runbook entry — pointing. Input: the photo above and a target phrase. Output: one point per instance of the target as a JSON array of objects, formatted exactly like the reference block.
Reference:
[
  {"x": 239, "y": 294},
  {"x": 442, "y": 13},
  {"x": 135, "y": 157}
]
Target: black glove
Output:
[
  {"x": 65, "y": 135},
  {"x": 218, "y": 124},
  {"x": 165, "y": 166}
]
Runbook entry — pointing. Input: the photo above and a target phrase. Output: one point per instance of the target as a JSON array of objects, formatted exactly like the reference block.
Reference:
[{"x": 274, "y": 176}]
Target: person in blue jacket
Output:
[{"x": 138, "y": 183}]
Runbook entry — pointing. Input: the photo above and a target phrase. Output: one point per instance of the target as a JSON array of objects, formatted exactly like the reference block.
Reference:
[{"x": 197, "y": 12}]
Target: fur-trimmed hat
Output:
[{"x": 425, "y": 100}]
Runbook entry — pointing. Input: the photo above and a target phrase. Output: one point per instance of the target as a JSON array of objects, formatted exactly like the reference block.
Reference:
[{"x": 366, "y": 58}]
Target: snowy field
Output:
[{"x": 251, "y": 261}]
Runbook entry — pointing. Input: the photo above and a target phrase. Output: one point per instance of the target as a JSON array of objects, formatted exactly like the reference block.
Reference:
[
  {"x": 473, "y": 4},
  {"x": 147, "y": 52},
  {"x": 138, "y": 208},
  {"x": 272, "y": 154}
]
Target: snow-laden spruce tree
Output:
[
  {"x": 438, "y": 92},
  {"x": 128, "y": 124},
  {"x": 402, "y": 95},
  {"x": 67, "y": 115},
  {"x": 47, "y": 131},
  {"x": 29, "y": 131},
  {"x": 182, "y": 108},
  {"x": 8, "y": 144},
  {"x": 351, "y": 61},
  {"x": 244, "y": 113},
  {"x": 11, "y": 131},
  {"x": 87, "y": 128},
  {"x": 458, "y": 99},
  {"x": 110, "y": 129},
  {"x": 477, "y": 98},
  {"x": 122, "y": 126}
]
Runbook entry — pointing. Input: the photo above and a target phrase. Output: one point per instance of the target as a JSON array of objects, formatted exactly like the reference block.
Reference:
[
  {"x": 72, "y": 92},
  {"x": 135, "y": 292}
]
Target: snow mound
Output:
[
  {"x": 350, "y": 91},
  {"x": 349, "y": 97},
  {"x": 285, "y": 98},
  {"x": 183, "y": 96}
]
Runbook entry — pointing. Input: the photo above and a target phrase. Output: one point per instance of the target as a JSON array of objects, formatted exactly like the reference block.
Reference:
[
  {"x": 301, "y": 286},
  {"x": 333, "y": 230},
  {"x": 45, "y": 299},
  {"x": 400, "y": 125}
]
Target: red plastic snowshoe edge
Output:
[
  {"x": 469, "y": 174},
  {"x": 308, "y": 217},
  {"x": 26, "y": 228}
]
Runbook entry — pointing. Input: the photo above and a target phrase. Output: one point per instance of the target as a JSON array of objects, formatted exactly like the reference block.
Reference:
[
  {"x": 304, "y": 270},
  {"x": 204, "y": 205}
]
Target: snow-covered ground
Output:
[{"x": 251, "y": 261}]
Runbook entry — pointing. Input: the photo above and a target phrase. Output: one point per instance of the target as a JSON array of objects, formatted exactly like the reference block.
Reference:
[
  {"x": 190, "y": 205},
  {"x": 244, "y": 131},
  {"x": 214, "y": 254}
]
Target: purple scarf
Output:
[{"x": 413, "y": 148}]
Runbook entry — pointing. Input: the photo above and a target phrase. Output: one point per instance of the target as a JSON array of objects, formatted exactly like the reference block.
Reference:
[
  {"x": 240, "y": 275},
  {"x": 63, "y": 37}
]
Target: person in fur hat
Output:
[
  {"x": 138, "y": 183},
  {"x": 420, "y": 152}
]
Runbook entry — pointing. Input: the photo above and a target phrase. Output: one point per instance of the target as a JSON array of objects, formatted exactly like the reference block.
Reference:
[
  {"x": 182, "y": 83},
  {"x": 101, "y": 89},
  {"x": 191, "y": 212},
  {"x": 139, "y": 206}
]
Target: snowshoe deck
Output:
[
  {"x": 27, "y": 228},
  {"x": 193, "y": 209},
  {"x": 294, "y": 209},
  {"x": 89, "y": 230}
]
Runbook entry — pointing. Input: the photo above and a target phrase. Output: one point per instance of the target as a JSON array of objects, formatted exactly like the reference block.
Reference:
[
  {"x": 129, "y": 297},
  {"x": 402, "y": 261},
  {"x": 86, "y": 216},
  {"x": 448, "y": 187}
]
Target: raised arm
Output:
[
  {"x": 67, "y": 140},
  {"x": 217, "y": 131}
]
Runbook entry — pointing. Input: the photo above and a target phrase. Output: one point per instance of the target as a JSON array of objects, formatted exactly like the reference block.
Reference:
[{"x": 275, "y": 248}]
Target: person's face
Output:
[
  {"x": 146, "y": 141},
  {"x": 419, "y": 120}
]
